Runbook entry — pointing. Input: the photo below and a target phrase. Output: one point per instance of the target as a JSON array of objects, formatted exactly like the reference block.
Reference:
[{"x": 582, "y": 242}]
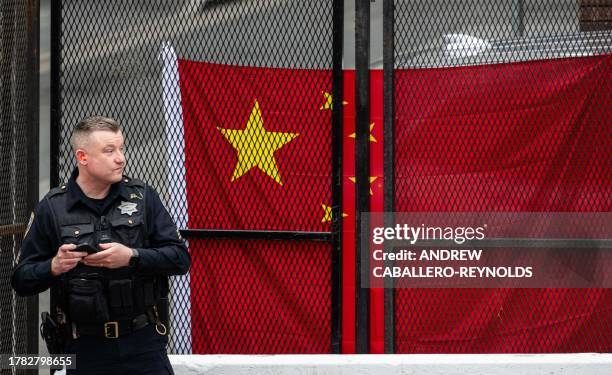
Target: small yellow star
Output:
[
  {"x": 327, "y": 216},
  {"x": 372, "y": 139},
  {"x": 372, "y": 179},
  {"x": 328, "y": 102},
  {"x": 256, "y": 146}
]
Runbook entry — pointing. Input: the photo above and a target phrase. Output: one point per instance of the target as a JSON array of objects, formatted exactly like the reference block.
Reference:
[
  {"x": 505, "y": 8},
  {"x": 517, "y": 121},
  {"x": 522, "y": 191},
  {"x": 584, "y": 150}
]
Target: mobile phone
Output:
[{"x": 85, "y": 247}]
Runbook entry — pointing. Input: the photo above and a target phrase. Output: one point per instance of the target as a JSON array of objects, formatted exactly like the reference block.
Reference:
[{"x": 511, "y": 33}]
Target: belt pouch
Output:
[
  {"x": 87, "y": 301},
  {"x": 120, "y": 295},
  {"x": 145, "y": 293}
]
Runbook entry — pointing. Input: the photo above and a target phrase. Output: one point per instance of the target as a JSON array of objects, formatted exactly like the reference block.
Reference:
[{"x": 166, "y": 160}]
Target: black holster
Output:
[{"x": 52, "y": 334}]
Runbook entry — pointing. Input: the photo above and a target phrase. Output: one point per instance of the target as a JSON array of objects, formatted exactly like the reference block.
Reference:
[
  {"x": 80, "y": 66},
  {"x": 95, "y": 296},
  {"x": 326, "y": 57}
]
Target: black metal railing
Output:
[{"x": 18, "y": 165}]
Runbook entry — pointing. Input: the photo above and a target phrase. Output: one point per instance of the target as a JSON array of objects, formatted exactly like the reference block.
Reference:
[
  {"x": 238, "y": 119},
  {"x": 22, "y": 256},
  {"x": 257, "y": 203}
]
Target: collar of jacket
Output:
[{"x": 75, "y": 193}]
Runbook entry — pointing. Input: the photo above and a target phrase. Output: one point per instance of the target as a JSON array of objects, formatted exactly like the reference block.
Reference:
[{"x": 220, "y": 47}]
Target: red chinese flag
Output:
[
  {"x": 258, "y": 146},
  {"x": 523, "y": 137},
  {"x": 258, "y": 157}
]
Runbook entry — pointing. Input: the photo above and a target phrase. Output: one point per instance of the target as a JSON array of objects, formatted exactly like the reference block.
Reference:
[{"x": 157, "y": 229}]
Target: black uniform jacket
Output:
[{"x": 165, "y": 255}]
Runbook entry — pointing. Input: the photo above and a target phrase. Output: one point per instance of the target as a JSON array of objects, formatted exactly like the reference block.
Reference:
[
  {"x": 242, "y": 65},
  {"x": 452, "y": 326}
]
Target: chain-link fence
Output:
[
  {"x": 501, "y": 106},
  {"x": 18, "y": 165},
  {"x": 226, "y": 110}
]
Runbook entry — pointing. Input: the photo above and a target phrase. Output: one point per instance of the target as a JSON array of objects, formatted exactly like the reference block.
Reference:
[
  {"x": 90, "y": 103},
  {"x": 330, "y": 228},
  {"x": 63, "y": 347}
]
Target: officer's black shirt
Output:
[{"x": 166, "y": 254}]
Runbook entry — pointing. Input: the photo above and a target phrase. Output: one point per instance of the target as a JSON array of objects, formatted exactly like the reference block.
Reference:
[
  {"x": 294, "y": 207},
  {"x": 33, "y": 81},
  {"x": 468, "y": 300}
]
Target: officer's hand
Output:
[
  {"x": 113, "y": 255},
  {"x": 65, "y": 260}
]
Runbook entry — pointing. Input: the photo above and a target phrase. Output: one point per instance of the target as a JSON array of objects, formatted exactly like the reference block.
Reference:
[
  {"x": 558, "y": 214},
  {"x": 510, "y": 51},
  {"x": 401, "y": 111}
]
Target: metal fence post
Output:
[
  {"x": 362, "y": 165},
  {"x": 337, "y": 131},
  {"x": 56, "y": 110},
  {"x": 32, "y": 56},
  {"x": 389, "y": 191},
  {"x": 518, "y": 17}
]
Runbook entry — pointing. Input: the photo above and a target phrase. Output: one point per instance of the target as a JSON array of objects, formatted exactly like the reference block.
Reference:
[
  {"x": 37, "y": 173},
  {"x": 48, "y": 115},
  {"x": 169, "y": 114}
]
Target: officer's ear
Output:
[{"x": 81, "y": 156}]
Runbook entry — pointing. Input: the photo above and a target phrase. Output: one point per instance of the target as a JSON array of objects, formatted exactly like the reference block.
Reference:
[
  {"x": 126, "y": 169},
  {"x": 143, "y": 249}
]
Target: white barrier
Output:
[{"x": 447, "y": 364}]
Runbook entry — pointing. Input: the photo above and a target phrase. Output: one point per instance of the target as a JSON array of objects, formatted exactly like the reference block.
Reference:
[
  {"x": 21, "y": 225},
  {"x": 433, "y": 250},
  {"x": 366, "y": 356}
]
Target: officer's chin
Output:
[{"x": 117, "y": 176}]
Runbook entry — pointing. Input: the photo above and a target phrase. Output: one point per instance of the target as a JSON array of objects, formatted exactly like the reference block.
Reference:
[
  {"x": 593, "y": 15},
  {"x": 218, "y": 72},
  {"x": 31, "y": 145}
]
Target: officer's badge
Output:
[{"x": 127, "y": 208}]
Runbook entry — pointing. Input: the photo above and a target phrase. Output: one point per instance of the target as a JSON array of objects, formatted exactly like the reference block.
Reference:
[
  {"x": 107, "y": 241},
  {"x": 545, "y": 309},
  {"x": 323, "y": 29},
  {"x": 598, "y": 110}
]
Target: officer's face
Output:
[{"x": 105, "y": 158}]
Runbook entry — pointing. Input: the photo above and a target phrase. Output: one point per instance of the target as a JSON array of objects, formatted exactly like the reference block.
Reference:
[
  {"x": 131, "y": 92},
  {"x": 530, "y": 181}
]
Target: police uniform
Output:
[{"x": 114, "y": 320}]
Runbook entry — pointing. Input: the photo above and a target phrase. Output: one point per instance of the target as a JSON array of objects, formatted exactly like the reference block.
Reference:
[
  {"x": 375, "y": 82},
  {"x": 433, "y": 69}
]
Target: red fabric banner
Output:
[
  {"x": 348, "y": 219},
  {"x": 522, "y": 137},
  {"x": 530, "y": 136},
  {"x": 257, "y": 146},
  {"x": 258, "y": 157},
  {"x": 376, "y": 179},
  {"x": 260, "y": 297}
]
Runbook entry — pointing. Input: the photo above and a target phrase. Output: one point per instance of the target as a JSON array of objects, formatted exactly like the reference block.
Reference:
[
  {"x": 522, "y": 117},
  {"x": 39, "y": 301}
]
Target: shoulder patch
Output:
[
  {"x": 29, "y": 225},
  {"x": 18, "y": 257}
]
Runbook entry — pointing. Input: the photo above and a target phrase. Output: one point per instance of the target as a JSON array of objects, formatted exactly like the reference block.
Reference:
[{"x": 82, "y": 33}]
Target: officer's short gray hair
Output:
[{"x": 88, "y": 125}]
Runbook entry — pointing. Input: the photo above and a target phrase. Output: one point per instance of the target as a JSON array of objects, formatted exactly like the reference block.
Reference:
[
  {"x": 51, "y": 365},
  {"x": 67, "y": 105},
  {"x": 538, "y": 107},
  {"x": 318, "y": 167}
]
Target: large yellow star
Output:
[{"x": 256, "y": 146}]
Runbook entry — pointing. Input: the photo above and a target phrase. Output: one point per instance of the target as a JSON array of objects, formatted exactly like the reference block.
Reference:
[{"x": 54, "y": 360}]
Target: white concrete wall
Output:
[{"x": 447, "y": 364}]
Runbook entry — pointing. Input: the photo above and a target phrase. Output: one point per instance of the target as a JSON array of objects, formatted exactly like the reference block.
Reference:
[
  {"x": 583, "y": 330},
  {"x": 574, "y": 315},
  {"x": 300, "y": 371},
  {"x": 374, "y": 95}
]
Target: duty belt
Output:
[{"x": 118, "y": 328}]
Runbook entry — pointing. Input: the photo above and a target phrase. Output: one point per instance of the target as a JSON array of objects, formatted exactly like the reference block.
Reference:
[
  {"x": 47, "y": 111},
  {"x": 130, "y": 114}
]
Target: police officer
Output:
[{"x": 112, "y": 289}]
